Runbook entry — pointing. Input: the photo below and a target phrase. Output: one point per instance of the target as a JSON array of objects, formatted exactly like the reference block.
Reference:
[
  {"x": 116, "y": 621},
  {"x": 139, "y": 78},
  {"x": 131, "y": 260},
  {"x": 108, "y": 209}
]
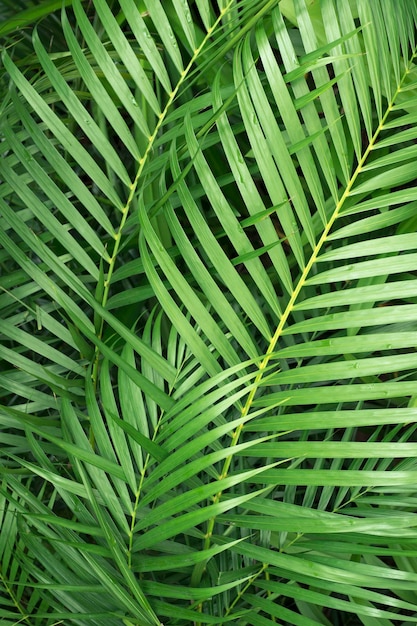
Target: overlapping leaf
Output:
[{"x": 208, "y": 314}]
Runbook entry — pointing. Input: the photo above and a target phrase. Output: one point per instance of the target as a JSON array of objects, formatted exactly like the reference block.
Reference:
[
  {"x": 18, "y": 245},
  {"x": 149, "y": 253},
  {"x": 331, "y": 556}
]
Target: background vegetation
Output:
[{"x": 208, "y": 321}]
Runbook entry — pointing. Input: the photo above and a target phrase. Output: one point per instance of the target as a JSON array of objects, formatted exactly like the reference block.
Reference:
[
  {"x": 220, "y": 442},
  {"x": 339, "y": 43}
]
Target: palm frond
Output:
[{"x": 207, "y": 220}]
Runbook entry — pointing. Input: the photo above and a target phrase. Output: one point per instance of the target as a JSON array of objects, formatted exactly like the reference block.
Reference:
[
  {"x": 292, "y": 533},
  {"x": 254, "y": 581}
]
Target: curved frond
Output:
[{"x": 208, "y": 315}]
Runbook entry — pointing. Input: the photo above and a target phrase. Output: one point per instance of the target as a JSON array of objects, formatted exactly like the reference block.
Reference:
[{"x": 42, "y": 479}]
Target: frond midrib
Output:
[
  {"x": 142, "y": 162},
  {"x": 316, "y": 251},
  {"x": 300, "y": 284}
]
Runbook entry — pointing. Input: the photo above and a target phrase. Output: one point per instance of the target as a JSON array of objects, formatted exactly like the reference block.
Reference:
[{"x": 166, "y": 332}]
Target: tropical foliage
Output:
[{"x": 208, "y": 313}]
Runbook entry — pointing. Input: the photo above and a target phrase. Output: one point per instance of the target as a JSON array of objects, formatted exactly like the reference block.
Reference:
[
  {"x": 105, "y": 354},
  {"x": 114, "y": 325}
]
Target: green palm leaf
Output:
[{"x": 207, "y": 293}]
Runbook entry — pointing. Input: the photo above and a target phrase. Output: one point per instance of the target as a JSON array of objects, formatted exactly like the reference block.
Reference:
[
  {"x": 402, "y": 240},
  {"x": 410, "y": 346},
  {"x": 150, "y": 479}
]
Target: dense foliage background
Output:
[{"x": 208, "y": 321}]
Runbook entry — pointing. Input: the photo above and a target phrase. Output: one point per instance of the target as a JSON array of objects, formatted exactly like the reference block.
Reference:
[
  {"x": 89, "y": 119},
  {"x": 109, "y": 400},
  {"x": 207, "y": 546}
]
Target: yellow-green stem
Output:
[
  {"x": 141, "y": 165},
  {"x": 272, "y": 345}
]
